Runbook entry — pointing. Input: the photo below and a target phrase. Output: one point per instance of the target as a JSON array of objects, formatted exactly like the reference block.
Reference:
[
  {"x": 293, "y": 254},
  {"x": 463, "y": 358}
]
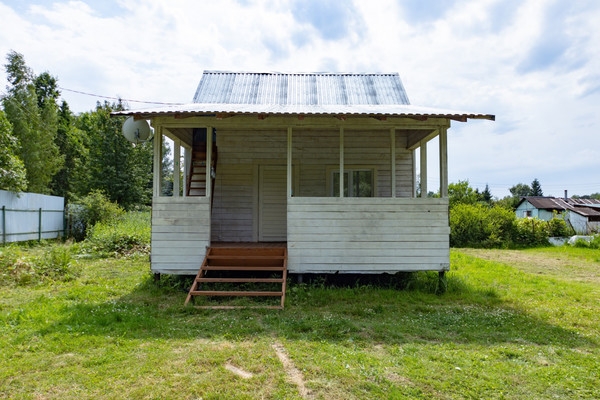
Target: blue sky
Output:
[{"x": 535, "y": 64}]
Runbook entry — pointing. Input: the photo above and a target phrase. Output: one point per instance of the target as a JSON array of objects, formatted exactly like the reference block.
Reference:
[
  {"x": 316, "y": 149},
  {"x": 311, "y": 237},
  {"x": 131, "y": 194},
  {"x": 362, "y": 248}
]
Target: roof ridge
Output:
[{"x": 301, "y": 73}]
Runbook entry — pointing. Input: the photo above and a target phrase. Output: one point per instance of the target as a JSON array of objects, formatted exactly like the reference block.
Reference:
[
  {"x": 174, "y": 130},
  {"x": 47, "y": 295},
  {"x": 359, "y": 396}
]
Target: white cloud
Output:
[{"x": 532, "y": 63}]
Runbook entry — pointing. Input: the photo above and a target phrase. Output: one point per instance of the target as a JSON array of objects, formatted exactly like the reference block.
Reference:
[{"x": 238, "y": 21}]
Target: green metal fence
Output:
[{"x": 29, "y": 230}]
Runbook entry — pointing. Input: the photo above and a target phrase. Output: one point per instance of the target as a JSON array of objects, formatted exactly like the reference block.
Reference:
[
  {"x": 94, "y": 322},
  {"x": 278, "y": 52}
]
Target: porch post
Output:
[
  {"x": 209, "y": 146},
  {"x": 443, "y": 161},
  {"x": 423, "y": 149},
  {"x": 157, "y": 161},
  {"x": 187, "y": 163},
  {"x": 414, "y": 173},
  {"x": 289, "y": 162},
  {"x": 393, "y": 160},
  {"x": 341, "y": 161},
  {"x": 176, "y": 167}
]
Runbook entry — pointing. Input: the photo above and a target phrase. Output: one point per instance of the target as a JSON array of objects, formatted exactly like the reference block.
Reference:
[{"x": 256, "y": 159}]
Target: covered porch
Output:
[{"x": 375, "y": 224}]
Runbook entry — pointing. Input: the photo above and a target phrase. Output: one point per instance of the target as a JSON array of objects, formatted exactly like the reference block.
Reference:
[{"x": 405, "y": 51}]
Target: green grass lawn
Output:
[{"x": 512, "y": 324}]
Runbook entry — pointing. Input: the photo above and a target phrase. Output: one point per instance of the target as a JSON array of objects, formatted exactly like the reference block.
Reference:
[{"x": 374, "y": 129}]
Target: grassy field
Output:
[{"x": 512, "y": 325}]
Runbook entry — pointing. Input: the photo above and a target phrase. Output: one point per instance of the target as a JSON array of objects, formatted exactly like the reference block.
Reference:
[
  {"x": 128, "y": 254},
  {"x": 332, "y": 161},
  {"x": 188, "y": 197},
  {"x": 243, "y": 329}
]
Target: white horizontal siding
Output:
[
  {"x": 367, "y": 235},
  {"x": 180, "y": 234}
]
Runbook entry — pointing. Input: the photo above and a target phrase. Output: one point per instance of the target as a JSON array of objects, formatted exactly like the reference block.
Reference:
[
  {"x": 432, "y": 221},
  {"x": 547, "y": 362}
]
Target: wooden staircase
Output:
[
  {"x": 241, "y": 272},
  {"x": 196, "y": 179}
]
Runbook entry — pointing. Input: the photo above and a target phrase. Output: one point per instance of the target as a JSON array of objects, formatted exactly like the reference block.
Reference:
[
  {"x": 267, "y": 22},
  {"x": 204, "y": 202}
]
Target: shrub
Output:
[
  {"x": 88, "y": 211},
  {"x": 480, "y": 226},
  {"x": 466, "y": 225},
  {"x": 532, "y": 232},
  {"x": 558, "y": 227},
  {"x": 500, "y": 228}
]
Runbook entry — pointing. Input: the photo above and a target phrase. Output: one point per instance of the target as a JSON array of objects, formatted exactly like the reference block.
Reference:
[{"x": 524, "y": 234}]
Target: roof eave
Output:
[{"x": 139, "y": 114}]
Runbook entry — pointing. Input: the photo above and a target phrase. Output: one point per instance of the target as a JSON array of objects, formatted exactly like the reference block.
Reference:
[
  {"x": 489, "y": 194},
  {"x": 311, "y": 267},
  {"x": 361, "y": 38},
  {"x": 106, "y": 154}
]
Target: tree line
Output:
[{"x": 48, "y": 149}]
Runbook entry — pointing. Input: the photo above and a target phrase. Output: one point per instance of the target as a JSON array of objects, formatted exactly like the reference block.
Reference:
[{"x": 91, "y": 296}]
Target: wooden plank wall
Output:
[
  {"x": 235, "y": 196},
  {"x": 367, "y": 235},
  {"x": 315, "y": 152},
  {"x": 180, "y": 234}
]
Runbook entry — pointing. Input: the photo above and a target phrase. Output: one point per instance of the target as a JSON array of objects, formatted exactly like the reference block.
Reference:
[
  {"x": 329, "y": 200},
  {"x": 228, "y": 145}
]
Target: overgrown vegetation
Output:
[
  {"x": 23, "y": 266},
  {"x": 90, "y": 210},
  {"x": 121, "y": 236},
  {"x": 478, "y": 225}
]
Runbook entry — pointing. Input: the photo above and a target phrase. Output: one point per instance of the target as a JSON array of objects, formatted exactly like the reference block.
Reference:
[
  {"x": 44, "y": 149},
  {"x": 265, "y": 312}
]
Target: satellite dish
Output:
[{"x": 137, "y": 131}]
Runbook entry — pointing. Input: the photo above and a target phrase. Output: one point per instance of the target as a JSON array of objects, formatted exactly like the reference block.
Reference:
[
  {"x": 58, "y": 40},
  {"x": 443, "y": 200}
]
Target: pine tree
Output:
[
  {"x": 486, "y": 195},
  {"x": 536, "y": 188}
]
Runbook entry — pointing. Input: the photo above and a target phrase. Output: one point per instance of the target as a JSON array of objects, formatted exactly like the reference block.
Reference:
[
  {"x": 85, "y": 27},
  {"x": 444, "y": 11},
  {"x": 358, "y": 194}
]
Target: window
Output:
[
  {"x": 357, "y": 183},
  {"x": 527, "y": 214}
]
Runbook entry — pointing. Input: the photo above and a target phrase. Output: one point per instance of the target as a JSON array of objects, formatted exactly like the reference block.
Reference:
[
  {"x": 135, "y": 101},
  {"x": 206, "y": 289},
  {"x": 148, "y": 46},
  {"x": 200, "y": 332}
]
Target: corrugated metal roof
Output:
[
  {"x": 585, "y": 207},
  {"x": 309, "y": 89},
  {"x": 303, "y": 94}
]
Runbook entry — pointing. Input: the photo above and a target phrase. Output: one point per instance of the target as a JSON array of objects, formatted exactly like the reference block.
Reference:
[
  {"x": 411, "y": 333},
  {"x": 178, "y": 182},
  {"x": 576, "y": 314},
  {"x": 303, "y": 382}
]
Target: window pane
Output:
[
  {"x": 362, "y": 182},
  {"x": 336, "y": 184}
]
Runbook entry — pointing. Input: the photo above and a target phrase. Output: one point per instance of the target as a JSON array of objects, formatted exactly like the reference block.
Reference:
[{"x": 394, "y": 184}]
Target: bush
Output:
[
  {"x": 90, "y": 210},
  {"x": 532, "y": 232},
  {"x": 557, "y": 227},
  {"x": 480, "y": 226}
]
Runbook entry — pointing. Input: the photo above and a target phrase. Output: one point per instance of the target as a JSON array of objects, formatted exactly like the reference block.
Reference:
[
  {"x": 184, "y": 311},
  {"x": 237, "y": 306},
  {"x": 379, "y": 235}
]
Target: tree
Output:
[
  {"x": 520, "y": 190},
  {"x": 70, "y": 180},
  {"x": 462, "y": 193},
  {"x": 12, "y": 170},
  {"x": 115, "y": 166},
  {"x": 486, "y": 195},
  {"x": 34, "y": 126},
  {"x": 46, "y": 88},
  {"x": 536, "y": 188}
]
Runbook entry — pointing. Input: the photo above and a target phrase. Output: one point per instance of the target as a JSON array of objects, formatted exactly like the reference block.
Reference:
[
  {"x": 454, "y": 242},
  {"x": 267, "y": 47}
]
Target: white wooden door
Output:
[{"x": 272, "y": 203}]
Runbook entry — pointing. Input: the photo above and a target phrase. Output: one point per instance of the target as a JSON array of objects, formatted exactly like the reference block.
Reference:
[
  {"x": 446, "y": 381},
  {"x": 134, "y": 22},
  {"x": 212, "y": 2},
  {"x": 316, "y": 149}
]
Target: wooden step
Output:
[
  {"x": 241, "y": 266},
  {"x": 234, "y": 293},
  {"x": 240, "y": 280}
]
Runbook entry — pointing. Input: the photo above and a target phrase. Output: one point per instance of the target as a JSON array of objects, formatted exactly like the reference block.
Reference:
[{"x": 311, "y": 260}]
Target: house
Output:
[
  {"x": 583, "y": 215},
  {"x": 322, "y": 164}
]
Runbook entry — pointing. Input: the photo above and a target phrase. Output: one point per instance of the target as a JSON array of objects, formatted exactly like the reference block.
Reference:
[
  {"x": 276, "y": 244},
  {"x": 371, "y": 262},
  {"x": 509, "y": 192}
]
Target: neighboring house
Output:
[
  {"x": 279, "y": 147},
  {"x": 582, "y": 214}
]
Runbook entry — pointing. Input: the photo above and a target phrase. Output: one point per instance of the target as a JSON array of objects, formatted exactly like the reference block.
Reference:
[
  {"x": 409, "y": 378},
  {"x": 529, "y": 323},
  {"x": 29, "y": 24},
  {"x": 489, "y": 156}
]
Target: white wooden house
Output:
[{"x": 282, "y": 147}]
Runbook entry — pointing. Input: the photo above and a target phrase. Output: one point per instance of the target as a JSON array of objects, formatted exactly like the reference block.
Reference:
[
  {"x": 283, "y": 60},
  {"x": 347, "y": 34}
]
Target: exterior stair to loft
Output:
[
  {"x": 242, "y": 272},
  {"x": 196, "y": 179}
]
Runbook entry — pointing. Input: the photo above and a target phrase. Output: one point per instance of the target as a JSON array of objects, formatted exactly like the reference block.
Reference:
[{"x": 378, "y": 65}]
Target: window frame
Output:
[{"x": 348, "y": 170}]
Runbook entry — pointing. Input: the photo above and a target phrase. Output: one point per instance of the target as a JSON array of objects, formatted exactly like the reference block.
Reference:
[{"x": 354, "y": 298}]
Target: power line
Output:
[{"x": 119, "y": 98}]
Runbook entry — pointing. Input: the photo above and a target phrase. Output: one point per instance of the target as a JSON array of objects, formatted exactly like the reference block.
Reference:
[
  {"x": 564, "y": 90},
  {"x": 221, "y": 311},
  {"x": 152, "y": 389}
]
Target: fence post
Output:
[
  {"x": 40, "y": 226},
  {"x": 3, "y": 225}
]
